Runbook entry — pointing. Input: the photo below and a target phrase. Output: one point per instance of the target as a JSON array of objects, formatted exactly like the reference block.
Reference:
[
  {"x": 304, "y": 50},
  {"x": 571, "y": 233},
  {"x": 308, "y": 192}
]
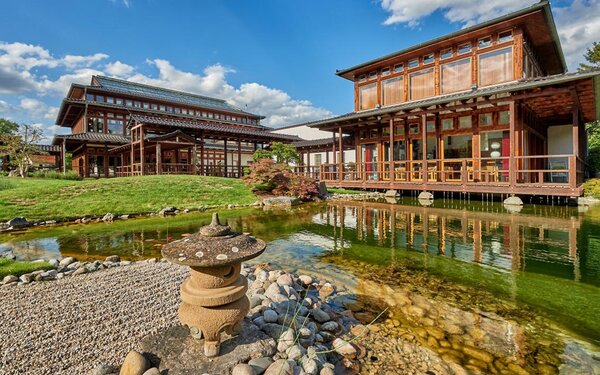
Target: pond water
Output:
[{"x": 492, "y": 290}]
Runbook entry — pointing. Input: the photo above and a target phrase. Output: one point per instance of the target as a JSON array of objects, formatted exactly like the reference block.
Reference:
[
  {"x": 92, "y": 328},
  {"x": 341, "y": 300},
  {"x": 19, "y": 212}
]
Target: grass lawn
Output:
[
  {"x": 344, "y": 191},
  {"x": 11, "y": 267},
  {"x": 592, "y": 187},
  {"x": 37, "y": 199}
]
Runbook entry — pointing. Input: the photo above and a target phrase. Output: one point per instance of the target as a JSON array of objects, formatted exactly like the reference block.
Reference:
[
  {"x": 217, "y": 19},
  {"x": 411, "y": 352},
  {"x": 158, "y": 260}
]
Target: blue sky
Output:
[{"x": 278, "y": 58}]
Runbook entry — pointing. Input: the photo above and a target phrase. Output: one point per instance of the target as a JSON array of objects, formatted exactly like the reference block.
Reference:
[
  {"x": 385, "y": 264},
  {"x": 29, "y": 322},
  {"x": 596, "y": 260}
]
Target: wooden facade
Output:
[
  {"x": 121, "y": 128},
  {"x": 475, "y": 111}
]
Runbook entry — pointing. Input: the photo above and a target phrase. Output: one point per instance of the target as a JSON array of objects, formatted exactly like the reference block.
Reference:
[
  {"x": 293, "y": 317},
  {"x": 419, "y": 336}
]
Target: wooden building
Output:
[
  {"x": 122, "y": 128},
  {"x": 488, "y": 109}
]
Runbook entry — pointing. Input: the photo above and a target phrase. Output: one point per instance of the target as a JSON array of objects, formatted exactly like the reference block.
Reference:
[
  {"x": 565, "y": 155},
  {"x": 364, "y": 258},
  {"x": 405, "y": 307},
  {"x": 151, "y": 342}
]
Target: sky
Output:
[{"x": 276, "y": 58}]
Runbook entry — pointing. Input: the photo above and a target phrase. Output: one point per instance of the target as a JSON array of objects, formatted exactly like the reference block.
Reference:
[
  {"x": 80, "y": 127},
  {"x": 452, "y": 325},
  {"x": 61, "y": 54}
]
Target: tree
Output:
[
  {"x": 8, "y": 127},
  {"x": 20, "y": 146},
  {"x": 281, "y": 152},
  {"x": 592, "y": 56}
]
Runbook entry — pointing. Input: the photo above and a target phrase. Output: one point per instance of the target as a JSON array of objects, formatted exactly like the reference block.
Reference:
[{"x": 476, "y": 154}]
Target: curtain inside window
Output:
[
  {"x": 422, "y": 84},
  {"x": 368, "y": 96},
  {"x": 456, "y": 76},
  {"x": 392, "y": 91},
  {"x": 496, "y": 67}
]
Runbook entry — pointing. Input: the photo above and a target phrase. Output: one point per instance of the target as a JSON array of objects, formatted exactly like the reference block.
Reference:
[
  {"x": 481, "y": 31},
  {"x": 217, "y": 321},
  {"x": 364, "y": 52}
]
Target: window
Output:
[
  {"x": 392, "y": 91},
  {"x": 89, "y": 97},
  {"x": 464, "y": 122},
  {"x": 99, "y": 98},
  {"x": 129, "y": 103},
  {"x": 154, "y": 106},
  {"x": 119, "y": 101},
  {"x": 505, "y": 36},
  {"x": 163, "y": 108},
  {"x": 373, "y": 133},
  {"x": 413, "y": 63},
  {"x": 456, "y": 76},
  {"x": 137, "y": 104},
  {"x": 422, "y": 84},
  {"x": 110, "y": 100},
  {"x": 496, "y": 67},
  {"x": 362, "y": 78},
  {"x": 115, "y": 126},
  {"x": 367, "y": 96},
  {"x": 385, "y": 131},
  {"x": 446, "y": 54},
  {"x": 110, "y": 114},
  {"x": 146, "y": 105},
  {"x": 169, "y": 108},
  {"x": 494, "y": 144},
  {"x": 430, "y": 126},
  {"x": 504, "y": 118},
  {"x": 484, "y": 42},
  {"x": 385, "y": 71},
  {"x": 318, "y": 159},
  {"x": 95, "y": 124},
  {"x": 414, "y": 129},
  {"x": 447, "y": 124},
  {"x": 177, "y": 110},
  {"x": 485, "y": 119},
  {"x": 428, "y": 59},
  {"x": 398, "y": 68},
  {"x": 363, "y": 134},
  {"x": 465, "y": 48},
  {"x": 210, "y": 115},
  {"x": 458, "y": 146},
  {"x": 373, "y": 75},
  {"x": 399, "y": 129},
  {"x": 185, "y": 111}
]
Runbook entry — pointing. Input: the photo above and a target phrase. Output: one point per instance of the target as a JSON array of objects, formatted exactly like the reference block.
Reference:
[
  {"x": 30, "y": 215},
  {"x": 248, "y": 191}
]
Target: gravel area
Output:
[{"x": 69, "y": 326}]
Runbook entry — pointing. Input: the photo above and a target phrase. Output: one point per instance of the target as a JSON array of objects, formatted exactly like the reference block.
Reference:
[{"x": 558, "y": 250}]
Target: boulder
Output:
[
  {"x": 10, "y": 279},
  {"x": 104, "y": 369},
  {"x": 391, "y": 193},
  {"x": 260, "y": 365},
  {"x": 8, "y": 255},
  {"x": 425, "y": 195},
  {"x": 168, "y": 211},
  {"x": 243, "y": 369},
  {"x": 344, "y": 348},
  {"x": 17, "y": 222},
  {"x": 135, "y": 364},
  {"x": 281, "y": 367},
  {"x": 113, "y": 259},
  {"x": 66, "y": 261},
  {"x": 281, "y": 202},
  {"x": 513, "y": 201},
  {"x": 108, "y": 218},
  {"x": 322, "y": 186}
]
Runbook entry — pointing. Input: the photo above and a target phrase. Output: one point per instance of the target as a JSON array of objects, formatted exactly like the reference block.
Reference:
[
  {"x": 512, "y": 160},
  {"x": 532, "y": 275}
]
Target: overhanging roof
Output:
[
  {"x": 542, "y": 6},
  {"x": 481, "y": 92},
  {"x": 91, "y": 137}
]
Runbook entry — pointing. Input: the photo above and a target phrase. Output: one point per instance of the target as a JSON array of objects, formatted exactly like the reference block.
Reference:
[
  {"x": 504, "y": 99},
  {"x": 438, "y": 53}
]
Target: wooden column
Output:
[
  {"x": 512, "y": 173},
  {"x": 424, "y": 146},
  {"x": 158, "y": 158},
  {"x": 307, "y": 172},
  {"x": 202, "y": 171},
  {"x": 64, "y": 155},
  {"x": 341, "y": 160},
  {"x": 105, "y": 161},
  {"x": 225, "y": 156},
  {"x": 142, "y": 150},
  {"x": 573, "y": 159},
  {"x": 239, "y": 158},
  {"x": 195, "y": 158},
  {"x": 476, "y": 146},
  {"x": 392, "y": 169}
]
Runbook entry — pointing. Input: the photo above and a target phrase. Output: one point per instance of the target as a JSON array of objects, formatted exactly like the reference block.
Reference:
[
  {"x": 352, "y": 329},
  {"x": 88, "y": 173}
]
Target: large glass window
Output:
[
  {"x": 392, "y": 91},
  {"x": 464, "y": 122},
  {"x": 95, "y": 124},
  {"x": 422, "y": 84},
  {"x": 431, "y": 148},
  {"x": 417, "y": 149},
  {"x": 496, "y": 67},
  {"x": 495, "y": 144},
  {"x": 367, "y": 96},
  {"x": 448, "y": 124},
  {"x": 456, "y": 76},
  {"x": 115, "y": 126},
  {"x": 458, "y": 146},
  {"x": 399, "y": 151},
  {"x": 485, "y": 119}
]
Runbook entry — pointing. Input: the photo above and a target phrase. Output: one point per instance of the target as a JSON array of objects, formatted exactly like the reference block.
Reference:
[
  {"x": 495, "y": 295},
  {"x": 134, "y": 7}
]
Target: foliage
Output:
[
  {"x": 20, "y": 146},
  {"x": 592, "y": 56},
  {"x": 591, "y": 188},
  {"x": 47, "y": 199},
  {"x": 11, "y": 267},
  {"x": 70, "y": 175},
  {"x": 7, "y": 126},
  {"x": 270, "y": 177},
  {"x": 593, "y": 131},
  {"x": 282, "y": 153}
]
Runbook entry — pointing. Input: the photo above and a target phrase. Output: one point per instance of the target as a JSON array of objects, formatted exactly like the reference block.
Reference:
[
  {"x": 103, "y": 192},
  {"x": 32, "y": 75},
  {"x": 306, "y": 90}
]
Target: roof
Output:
[
  {"x": 485, "y": 91},
  {"x": 203, "y": 125},
  {"x": 543, "y": 5},
  {"x": 49, "y": 148},
  {"x": 163, "y": 94},
  {"x": 93, "y": 137},
  {"x": 320, "y": 142}
]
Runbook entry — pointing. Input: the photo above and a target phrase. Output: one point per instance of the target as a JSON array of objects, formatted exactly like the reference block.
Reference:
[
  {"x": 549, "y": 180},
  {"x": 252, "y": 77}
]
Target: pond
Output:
[{"x": 477, "y": 284}]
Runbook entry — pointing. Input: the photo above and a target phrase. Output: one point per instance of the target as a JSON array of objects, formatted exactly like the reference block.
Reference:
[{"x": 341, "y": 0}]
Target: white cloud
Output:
[
  {"x": 119, "y": 69},
  {"x": 4, "y": 106},
  {"x": 74, "y": 61},
  {"x": 36, "y": 109},
  {"x": 578, "y": 24}
]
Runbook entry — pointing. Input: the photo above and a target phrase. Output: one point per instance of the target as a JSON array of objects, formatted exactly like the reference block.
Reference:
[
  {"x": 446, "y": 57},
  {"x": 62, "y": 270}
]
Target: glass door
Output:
[{"x": 369, "y": 159}]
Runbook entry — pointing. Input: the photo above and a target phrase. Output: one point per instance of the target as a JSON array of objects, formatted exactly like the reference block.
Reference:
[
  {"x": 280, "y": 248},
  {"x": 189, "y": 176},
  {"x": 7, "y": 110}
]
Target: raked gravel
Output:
[{"x": 69, "y": 326}]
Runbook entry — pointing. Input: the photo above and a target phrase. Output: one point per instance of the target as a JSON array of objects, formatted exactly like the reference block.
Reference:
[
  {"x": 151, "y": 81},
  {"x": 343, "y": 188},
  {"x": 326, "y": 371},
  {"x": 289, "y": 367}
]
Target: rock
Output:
[
  {"x": 330, "y": 326},
  {"x": 309, "y": 366},
  {"x": 513, "y": 201},
  {"x": 270, "y": 316},
  {"x": 294, "y": 352},
  {"x": 113, "y": 259},
  {"x": 305, "y": 280},
  {"x": 134, "y": 364},
  {"x": 8, "y": 255},
  {"x": 104, "y": 369},
  {"x": 286, "y": 340},
  {"x": 261, "y": 364},
  {"x": 167, "y": 211},
  {"x": 66, "y": 261},
  {"x": 49, "y": 275},
  {"x": 320, "y": 315},
  {"x": 326, "y": 290},
  {"x": 25, "y": 279},
  {"x": 53, "y": 262},
  {"x": 10, "y": 279},
  {"x": 17, "y": 222},
  {"x": 281, "y": 202},
  {"x": 124, "y": 217},
  {"x": 285, "y": 279},
  {"x": 359, "y": 330},
  {"x": 344, "y": 348},
  {"x": 322, "y": 186},
  {"x": 272, "y": 290},
  {"x": 108, "y": 218},
  {"x": 327, "y": 371},
  {"x": 80, "y": 271},
  {"x": 391, "y": 193},
  {"x": 279, "y": 298},
  {"x": 243, "y": 369},
  {"x": 425, "y": 195},
  {"x": 281, "y": 367}
]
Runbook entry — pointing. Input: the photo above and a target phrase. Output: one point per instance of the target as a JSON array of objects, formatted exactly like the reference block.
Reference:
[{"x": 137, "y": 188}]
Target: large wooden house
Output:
[
  {"x": 487, "y": 109},
  {"x": 122, "y": 128}
]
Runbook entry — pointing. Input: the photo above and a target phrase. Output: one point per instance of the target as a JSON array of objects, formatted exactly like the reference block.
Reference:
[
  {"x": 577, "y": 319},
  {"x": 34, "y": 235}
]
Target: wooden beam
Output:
[
  {"x": 424, "y": 169},
  {"x": 239, "y": 157},
  {"x": 158, "y": 158},
  {"x": 341, "y": 160},
  {"x": 392, "y": 169},
  {"x": 225, "y": 156},
  {"x": 512, "y": 175}
]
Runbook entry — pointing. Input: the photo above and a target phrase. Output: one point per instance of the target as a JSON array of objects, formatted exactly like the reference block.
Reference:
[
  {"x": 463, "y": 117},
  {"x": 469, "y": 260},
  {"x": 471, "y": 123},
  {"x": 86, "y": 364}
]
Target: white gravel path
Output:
[{"x": 70, "y": 326}]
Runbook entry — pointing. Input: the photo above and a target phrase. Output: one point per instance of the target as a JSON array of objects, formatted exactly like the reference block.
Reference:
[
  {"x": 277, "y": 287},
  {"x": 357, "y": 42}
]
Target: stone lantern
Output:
[{"x": 214, "y": 296}]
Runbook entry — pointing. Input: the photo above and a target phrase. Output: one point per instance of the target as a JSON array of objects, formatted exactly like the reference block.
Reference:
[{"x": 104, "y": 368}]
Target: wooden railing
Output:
[
  {"x": 312, "y": 171},
  {"x": 533, "y": 170},
  {"x": 231, "y": 171}
]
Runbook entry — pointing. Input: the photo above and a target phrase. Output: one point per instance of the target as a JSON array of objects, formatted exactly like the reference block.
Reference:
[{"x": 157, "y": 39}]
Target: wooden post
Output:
[
  {"x": 105, "y": 161},
  {"x": 225, "y": 157},
  {"x": 392, "y": 169},
  {"x": 64, "y": 156},
  {"x": 239, "y": 158},
  {"x": 307, "y": 172},
  {"x": 512, "y": 173},
  {"x": 424, "y": 146},
  {"x": 142, "y": 150},
  {"x": 158, "y": 158},
  {"x": 573, "y": 159},
  {"x": 341, "y": 160},
  {"x": 202, "y": 171},
  {"x": 195, "y": 159}
]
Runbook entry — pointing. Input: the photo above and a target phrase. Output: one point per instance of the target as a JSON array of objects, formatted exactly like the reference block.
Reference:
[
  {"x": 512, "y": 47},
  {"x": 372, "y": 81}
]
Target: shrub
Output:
[
  {"x": 303, "y": 187},
  {"x": 269, "y": 177},
  {"x": 70, "y": 175},
  {"x": 592, "y": 188}
]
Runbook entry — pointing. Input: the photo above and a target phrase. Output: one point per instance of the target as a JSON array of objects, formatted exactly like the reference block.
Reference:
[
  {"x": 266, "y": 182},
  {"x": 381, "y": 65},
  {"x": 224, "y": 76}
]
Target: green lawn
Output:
[
  {"x": 11, "y": 267},
  {"x": 37, "y": 199}
]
